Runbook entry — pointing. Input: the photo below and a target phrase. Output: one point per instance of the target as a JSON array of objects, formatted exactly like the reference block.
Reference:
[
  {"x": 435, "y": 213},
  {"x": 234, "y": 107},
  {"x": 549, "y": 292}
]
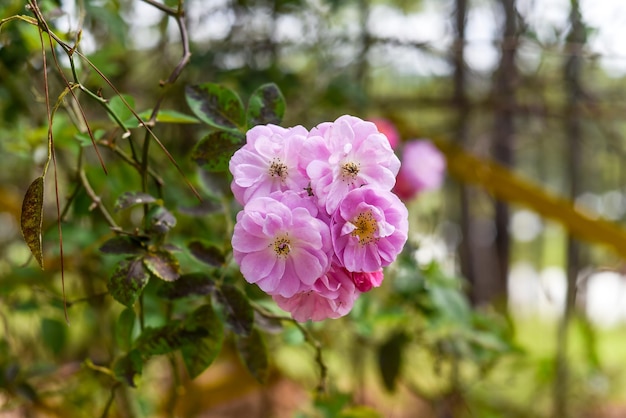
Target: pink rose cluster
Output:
[{"x": 319, "y": 219}]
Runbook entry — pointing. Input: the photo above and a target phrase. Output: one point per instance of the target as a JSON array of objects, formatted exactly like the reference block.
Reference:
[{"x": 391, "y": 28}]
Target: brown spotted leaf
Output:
[
  {"x": 163, "y": 265},
  {"x": 32, "y": 218}
]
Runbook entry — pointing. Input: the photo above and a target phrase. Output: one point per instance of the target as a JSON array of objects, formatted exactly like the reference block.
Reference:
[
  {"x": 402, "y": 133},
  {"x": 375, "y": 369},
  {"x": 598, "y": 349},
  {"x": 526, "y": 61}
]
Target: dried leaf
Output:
[{"x": 32, "y": 219}]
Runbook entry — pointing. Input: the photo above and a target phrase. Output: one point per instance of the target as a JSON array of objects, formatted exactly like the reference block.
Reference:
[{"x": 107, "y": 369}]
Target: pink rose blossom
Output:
[
  {"x": 369, "y": 229},
  {"x": 364, "y": 281},
  {"x": 332, "y": 296},
  {"x": 345, "y": 155},
  {"x": 388, "y": 129},
  {"x": 280, "y": 245},
  {"x": 423, "y": 168},
  {"x": 268, "y": 162}
]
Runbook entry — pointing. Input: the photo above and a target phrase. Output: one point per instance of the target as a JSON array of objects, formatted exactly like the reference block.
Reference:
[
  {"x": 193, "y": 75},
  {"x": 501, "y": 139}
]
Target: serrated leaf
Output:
[
  {"x": 124, "y": 328},
  {"x": 127, "y": 367},
  {"x": 127, "y": 282},
  {"x": 122, "y": 245},
  {"x": 120, "y": 109},
  {"x": 163, "y": 265},
  {"x": 129, "y": 199},
  {"x": 213, "y": 152},
  {"x": 239, "y": 313},
  {"x": 199, "y": 355},
  {"x": 207, "y": 253},
  {"x": 266, "y": 105},
  {"x": 253, "y": 351},
  {"x": 216, "y": 105},
  {"x": 53, "y": 334},
  {"x": 390, "y": 360},
  {"x": 161, "y": 220},
  {"x": 32, "y": 219},
  {"x": 192, "y": 284}
]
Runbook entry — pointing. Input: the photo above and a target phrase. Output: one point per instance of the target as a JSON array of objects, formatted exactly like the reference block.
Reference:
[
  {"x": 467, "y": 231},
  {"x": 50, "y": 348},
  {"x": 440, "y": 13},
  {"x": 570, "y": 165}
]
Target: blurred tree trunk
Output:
[
  {"x": 572, "y": 75},
  {"x": 503, "y": 149},
  {"x": 466, "y": 254}
]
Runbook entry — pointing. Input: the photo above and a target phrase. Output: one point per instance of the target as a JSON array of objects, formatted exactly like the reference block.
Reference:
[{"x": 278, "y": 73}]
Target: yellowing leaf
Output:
[{"x": 32, "y": 218}]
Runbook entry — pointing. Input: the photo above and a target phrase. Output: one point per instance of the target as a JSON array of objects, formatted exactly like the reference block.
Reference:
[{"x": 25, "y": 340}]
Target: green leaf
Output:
[
  {"x": 127, "y": 367},
  {"x": 122, "y": 245},
  {"x": 129, "y": 199},
  {"x": 124, "y": 328},
  {"x": 266, "y": 105},
  {"x": 127, "y": 282},
  {"x": 163, "y": 340},
  {"x": 192, "y": 284},
  {"x": 53, "y": 334},
  {"x": 207, "y": 253},
  {"x": 32, "y": 218},
  {"x": 163, "y": 265},
  {"x": 85, "y": 139},
  {"x": 216, "y": 105},
  {"x": 120, "y": 109},
  {"x": 253, "y": 352},
  {"x": 390, "y": 360},
  {"x": 200, "y": 354},
  {"x": 213, "y": 152},
  {"x": 239, "y": 312}
]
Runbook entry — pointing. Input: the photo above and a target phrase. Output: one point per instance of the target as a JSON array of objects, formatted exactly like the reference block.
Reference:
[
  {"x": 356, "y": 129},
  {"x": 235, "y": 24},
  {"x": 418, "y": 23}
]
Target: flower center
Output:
[
  {"x": 278, "y": 169},
  {"x": 349, "y": 171},
  {"x": 282, "y": 246},
  {"x": 366, "y": 227}
]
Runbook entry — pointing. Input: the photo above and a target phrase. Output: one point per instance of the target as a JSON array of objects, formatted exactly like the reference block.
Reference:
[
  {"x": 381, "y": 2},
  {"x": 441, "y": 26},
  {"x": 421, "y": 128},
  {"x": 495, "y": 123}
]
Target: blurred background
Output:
[{"x": 498, "y": 308}]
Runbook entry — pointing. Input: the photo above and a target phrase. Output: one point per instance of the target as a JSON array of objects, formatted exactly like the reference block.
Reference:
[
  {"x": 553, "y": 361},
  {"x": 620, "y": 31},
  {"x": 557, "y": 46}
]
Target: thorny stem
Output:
[{"x": 309, "y": 338}]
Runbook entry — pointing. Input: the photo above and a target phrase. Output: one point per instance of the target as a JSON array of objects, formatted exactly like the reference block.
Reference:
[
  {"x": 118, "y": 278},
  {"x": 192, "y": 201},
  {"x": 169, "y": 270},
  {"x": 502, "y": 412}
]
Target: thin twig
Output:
[
  {"x": 309, "y": 338},
  {"x": 96, "y": 200}
]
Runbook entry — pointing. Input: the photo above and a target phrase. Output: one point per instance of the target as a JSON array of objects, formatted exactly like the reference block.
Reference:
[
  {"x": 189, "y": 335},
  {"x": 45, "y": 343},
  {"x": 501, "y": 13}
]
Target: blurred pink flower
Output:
[
  {"x": 364, "y": 281},
  {"x": 268, "y": 162},
  {"x": 332, "y": 296},
  {"x": 388, "y": 129},
  {"x": 369, "y": 229},
  {"x": 345, "y": 155},
  {"x": 280, "y": 245},
  {"x": 423, "y": 168}
]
